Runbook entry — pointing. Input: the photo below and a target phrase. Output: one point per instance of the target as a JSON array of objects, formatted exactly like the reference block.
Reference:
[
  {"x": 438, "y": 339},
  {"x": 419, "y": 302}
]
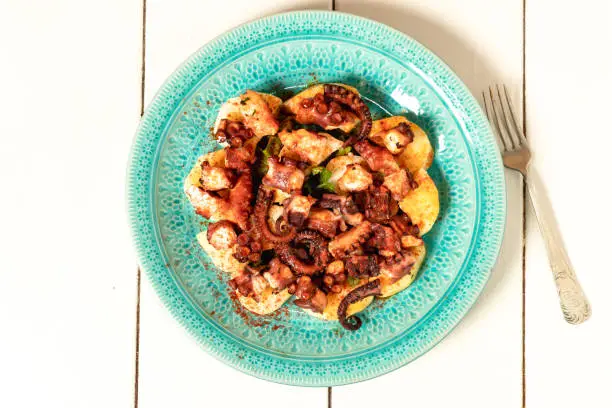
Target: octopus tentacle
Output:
[
  {"x": 240, "y": 199},
  {"x": 347, "y": 97},
  {"x": 353, "y": 322},
  {"x": 317, "y": 248},
  {"x": 264, "y": 199},
  {"x": 283, "y": 250},
  {"x": 343, "y": 244}
]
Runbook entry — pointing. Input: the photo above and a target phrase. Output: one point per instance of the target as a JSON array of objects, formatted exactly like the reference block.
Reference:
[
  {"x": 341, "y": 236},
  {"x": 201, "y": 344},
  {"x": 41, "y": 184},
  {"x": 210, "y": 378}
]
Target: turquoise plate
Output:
[{"x": 397, "y": 76}]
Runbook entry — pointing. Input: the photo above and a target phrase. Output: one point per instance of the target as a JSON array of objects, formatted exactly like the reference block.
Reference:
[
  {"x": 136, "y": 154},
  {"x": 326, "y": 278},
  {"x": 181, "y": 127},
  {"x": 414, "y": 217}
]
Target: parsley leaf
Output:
[
  {"x": 325, "y": 175},
  {"x": 344, "y": 151},
  {"x": 324, "y": 183},
  {"x": 273, "y": 148},
  {"x": 318, "y": 181},
  {"x": 327, "y": 187},
  {"x": 352, "y": 281}
]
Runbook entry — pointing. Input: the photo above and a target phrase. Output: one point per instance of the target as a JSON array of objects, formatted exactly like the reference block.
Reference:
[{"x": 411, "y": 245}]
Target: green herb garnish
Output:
[
  {"x": 344, "y": 151},
  {"x": 317, "y": 181},
  {"x": 273, "y": 148},
  {"x": 352, "y": 281},
  {"x": 324, "y": 183},
  {"x": 323, "y": 178}
]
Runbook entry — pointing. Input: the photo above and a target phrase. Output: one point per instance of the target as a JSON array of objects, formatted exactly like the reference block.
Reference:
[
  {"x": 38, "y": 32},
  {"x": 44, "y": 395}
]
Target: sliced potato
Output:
[
  {"x": 221, "y": 258},
  {"x": 304, "y": 145},
  {"x": 390, "y": 289},
  {"x": 384, "y": 134},
  {"x": 334, "y": 299},
  {"x": 294, "y": 105},
  {"x": 257, "y": 114},
  {"x": 422, "y": 204},
  {"x": 255, "y": 109},
  {"x": 274, "y": 102},
  {"x": 215, "y": 159},
  {"x": 385, "y": 124},
  {"x": 418, "y": 154},
  {"x": 269, "y": 301},
  {"x": 224, "y": 260}
]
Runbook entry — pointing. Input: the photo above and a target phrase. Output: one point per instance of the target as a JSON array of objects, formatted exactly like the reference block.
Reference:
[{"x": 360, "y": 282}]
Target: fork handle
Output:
[{"x": 574, "y": 304}]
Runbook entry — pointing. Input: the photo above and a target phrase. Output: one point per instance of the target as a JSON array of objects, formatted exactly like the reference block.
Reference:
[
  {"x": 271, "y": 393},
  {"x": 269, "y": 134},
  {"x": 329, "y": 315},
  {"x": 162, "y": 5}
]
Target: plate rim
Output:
[{"x": 168, "y": 289}]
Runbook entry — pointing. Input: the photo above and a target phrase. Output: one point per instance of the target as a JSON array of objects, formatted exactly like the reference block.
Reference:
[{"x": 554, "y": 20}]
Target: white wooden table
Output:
[{"x": 81, "y": 329}]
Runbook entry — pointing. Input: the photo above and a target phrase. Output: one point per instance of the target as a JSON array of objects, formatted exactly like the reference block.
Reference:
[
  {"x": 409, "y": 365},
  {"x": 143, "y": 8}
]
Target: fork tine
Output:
[
  {"x": 510, "y": 127},
  {"x": 500, "y": 124},
  {"x": 491, "y": 119},
  {"x": 519, "y": 129}
]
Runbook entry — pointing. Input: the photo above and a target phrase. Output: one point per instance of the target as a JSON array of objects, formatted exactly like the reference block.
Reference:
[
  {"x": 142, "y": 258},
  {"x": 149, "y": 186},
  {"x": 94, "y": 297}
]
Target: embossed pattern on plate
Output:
[{"x": 397, "y": 76}]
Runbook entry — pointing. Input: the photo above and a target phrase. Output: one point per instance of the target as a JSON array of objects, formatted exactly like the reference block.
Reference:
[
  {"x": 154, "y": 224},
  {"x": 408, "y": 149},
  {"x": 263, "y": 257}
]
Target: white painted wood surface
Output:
[
  {"x": 70, "y": 77},
  {"x": 480, "y": 361},
  {"x": 174, "y": 370},
  {"x": 69, "y": 104},
  {"x": 569, "y": 83}
]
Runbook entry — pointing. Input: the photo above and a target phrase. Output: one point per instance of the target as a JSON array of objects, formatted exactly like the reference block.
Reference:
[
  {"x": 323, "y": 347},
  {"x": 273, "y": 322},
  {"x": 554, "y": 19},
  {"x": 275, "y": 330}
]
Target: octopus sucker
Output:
[
  {"x": 264, "y": 199},
  {"x": 316, "y": 247},
  {"x": 351, "y": 99},
  {"x": 331, "y": 220},
  {"x": 348, "y": 241},
  {"x": 310, "y": 106}
]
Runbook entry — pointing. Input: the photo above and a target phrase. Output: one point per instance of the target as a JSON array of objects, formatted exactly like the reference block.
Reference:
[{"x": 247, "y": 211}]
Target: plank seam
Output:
[
  {"x": 524, "y": 237},
  {"x": 142, "y": 57},
  {"x": 136, "y": 360},
  {"x": 138, "y": 271}
]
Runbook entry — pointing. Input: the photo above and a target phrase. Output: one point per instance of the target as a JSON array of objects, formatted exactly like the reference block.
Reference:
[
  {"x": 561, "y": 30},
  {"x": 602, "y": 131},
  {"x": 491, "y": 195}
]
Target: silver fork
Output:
[{"x": 517, "y": 156}]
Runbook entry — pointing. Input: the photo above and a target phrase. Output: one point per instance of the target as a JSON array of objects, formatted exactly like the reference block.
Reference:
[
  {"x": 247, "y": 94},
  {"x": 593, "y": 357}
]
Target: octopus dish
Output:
[{"x": 310, "y": 199}]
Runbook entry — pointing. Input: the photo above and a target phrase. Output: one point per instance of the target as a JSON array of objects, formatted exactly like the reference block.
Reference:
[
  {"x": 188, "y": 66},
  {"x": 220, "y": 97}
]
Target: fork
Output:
[{"x": 517, "y": 156}]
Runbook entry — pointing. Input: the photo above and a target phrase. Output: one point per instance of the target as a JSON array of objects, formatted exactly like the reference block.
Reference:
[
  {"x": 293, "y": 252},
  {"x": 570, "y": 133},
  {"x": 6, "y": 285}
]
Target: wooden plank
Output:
[
  {"x": 174, "y": 370},
  {"x": 70, "y": 103},
  {"x": 480, "y": 361},
  {"x": 569, "y": 80},
  {"x": 175, "y": 30}
]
